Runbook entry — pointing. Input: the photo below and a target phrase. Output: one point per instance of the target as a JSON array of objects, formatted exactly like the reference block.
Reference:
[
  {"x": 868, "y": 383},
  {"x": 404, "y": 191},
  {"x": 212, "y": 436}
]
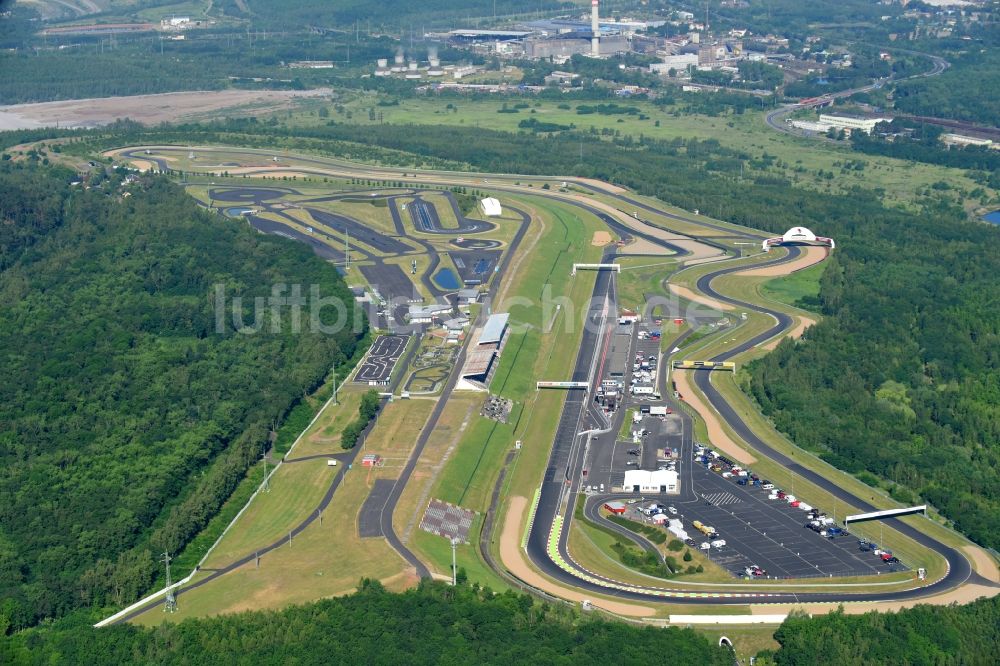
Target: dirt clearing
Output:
[
  {"x": 149, "y": 109},
  {"x": 985, "y": 565},
  {"x": 600, "y": 239},
  {"x": 802, "y": 323},
  {"x": 689, "y": 295},
  {"x": 811, "y": 255}
]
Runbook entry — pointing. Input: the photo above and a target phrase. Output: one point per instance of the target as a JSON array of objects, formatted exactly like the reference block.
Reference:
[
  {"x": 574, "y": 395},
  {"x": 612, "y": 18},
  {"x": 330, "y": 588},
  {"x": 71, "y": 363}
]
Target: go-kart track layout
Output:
[
  {"x": 377, "y": 367},
  {"x": 546, "y": 543}
]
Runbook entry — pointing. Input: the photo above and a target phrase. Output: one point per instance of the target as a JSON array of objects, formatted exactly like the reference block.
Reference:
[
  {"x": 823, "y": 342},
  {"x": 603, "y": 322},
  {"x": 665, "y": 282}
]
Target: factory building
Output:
[{"x": 866, "y": 125}]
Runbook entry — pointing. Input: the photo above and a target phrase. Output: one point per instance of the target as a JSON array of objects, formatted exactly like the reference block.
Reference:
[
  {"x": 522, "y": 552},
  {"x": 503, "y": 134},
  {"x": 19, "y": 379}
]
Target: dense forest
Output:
[
  {"x": 968, "y": 90},
  {"x": 130, "y": 406},
  {"x": 902, "y": 375},
  {"x": 941, "y": 635},
  {"x": 432, "y": 624},
  {"x": 908, "y": 139}
]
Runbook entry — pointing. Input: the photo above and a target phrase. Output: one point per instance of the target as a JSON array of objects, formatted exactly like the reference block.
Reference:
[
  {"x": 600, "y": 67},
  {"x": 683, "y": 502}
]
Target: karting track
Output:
[
  {"x": 566, "y": 461},
  {"x": 381, "y": 359}
]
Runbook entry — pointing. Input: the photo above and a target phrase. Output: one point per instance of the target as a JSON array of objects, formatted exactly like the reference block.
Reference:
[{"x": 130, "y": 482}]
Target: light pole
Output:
[{"x": 454, "y": 566}]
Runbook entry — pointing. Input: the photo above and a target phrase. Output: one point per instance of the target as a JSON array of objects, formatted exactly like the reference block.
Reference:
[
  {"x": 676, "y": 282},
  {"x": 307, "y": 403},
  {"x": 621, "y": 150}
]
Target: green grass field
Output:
[{"x": 792, "y": 289}]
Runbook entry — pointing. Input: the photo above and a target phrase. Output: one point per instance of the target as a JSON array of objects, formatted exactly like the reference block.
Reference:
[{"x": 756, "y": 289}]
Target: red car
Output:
[{"x": 795, "y": 503}]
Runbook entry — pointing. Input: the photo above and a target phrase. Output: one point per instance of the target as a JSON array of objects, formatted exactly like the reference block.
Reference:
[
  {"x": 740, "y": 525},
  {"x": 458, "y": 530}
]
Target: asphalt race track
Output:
[
  {"x": 563, "y": 472},
  {"x": 959, "y": 569}
]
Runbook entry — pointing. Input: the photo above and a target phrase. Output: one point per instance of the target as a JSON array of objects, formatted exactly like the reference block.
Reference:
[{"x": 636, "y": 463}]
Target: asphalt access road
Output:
[
  {"x": 393, "y": 500},
  {"x": 370, "y": 516},
  {"x": 344, "y": 459}
]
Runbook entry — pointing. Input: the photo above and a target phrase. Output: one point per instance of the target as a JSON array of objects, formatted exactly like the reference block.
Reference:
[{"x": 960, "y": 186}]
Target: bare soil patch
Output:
[
  {"x": 812, "y": 255},
  {"x": 148, "y": 109},
  {"x": 600, "y": 239},
  {"x": 690, "y": 295}
]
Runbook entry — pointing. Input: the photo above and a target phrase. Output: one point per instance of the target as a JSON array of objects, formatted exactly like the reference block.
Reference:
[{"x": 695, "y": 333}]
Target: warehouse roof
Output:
[{"x": 494, "y": 329}]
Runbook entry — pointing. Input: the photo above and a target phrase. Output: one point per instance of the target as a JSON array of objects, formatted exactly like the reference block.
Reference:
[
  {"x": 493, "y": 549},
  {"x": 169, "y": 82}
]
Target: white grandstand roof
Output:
[{"x": 494, "y": 329}]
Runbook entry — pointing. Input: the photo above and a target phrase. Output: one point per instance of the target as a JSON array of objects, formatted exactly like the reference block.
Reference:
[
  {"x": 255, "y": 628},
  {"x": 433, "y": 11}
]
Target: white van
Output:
[
  {"x": 705, "y": 545},
  {"x": 718, "y": 543}
]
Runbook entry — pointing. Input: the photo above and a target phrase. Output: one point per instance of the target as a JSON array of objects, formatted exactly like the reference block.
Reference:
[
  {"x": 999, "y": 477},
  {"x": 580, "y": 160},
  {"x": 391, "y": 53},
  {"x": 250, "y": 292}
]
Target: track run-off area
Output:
[{"x": 526, "y": 539}]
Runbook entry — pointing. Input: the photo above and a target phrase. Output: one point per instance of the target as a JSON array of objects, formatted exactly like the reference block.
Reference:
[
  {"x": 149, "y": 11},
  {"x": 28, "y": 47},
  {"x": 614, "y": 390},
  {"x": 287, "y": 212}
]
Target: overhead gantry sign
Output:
[{"x": 597, "y": 267}]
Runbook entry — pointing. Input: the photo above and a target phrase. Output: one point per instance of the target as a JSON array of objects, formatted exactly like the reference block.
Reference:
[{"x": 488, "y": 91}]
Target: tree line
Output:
[{"x": 431, "y": 624}]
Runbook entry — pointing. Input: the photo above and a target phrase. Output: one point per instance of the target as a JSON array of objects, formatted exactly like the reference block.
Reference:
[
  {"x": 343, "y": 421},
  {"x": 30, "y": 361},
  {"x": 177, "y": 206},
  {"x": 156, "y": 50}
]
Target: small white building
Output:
[
  {"x": 490, "y": 207},
  {"x": 644, "y": 481}
]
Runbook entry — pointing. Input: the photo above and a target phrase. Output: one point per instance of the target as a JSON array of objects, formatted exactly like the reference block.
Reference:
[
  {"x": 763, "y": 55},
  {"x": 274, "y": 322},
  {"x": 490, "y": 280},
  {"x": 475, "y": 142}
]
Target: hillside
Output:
[{"x": 127, "y": 415}]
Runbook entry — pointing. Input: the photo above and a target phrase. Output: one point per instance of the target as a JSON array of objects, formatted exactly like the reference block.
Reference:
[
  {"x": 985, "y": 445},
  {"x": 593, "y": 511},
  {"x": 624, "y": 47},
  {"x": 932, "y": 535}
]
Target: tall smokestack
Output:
[{"x": 595, "y": 29}]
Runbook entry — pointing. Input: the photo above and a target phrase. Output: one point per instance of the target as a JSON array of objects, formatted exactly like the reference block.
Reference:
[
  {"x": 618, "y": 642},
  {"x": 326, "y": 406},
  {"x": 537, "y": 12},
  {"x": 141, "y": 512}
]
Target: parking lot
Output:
[
  {"x": 769, "y": 534},
  {"x": 757, "y": 532}
]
